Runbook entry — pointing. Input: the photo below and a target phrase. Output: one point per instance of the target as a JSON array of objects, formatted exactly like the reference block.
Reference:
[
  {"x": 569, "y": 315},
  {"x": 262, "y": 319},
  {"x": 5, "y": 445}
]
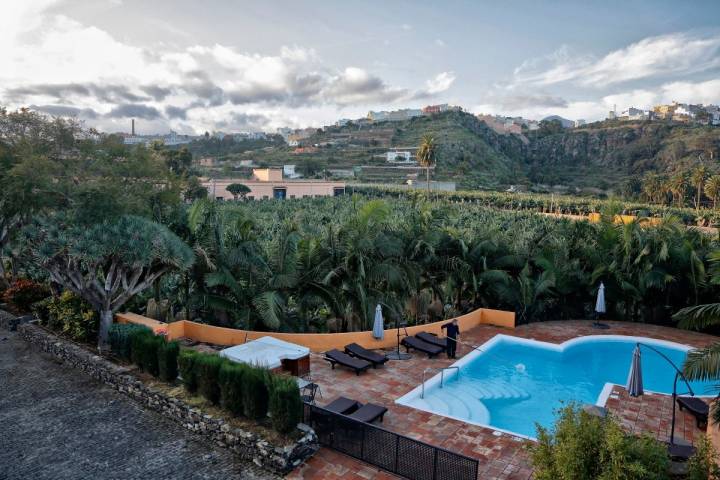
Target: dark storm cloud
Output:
[
  {"x": 107, "y": 93},
  {"x": 156, "y": 92},
  {"x": 66, "y": 111},
  {"x": 176, "y": 112},
  {"x": 134, "y": 110}
]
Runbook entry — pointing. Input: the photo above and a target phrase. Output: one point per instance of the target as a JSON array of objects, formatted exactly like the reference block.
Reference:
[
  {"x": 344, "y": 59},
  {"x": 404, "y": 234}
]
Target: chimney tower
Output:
[{"x": 133, "y": 127}]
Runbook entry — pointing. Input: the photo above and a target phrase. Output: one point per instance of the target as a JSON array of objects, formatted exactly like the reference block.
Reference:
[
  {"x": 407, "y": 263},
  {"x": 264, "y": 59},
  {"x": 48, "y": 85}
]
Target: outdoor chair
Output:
[
  {"x": 343, "y": 405},
  {"x": 421, "y": 346},
  {"x": 364, "y": 354},
  {"x": 433, "y": 339},
  {"x": 336, "y": 356},
  {"x": 368, "y": 413},
  {"x": 698, "y": 408}
]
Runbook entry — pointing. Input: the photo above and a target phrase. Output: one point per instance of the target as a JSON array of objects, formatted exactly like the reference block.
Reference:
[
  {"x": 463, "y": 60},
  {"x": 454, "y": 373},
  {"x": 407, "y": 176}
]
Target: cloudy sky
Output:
[{"x": 238, "y": 65}]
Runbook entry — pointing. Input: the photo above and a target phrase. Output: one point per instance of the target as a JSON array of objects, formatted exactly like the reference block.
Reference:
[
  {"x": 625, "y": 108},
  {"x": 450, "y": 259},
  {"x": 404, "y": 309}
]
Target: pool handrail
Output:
[{"x": 442, "y": 376}]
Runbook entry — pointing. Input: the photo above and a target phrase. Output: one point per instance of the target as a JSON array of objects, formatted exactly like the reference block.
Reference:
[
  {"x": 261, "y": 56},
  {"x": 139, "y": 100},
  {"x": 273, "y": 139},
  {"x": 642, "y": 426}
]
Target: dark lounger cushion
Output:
[
  {"x": 365, "y": 354},
  {"x": 368, "y": 413}
]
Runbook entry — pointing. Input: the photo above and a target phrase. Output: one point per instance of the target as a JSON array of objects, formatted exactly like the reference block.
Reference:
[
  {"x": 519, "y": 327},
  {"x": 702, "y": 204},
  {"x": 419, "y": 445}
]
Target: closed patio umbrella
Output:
[
  {"x": 634, "y": 382},
  {"x": 378, "y": 327},
  {"x": 600, "y": 302}
]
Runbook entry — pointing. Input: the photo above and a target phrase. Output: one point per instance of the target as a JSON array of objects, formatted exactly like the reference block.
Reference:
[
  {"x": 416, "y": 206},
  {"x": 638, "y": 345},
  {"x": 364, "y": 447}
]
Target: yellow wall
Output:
[
  {"x": 624, "y": 219},
  {"x": 317, "y": 342}
]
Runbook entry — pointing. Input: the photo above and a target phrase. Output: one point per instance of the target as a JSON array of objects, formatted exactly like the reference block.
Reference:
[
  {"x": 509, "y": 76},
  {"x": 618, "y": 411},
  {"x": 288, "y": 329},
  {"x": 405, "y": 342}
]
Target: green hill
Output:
[{"x": 599, "y": 156}]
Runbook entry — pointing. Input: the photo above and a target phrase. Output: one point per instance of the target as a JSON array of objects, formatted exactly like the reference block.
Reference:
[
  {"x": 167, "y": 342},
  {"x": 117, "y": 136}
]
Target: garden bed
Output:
[{"x": 269, "y": 450}]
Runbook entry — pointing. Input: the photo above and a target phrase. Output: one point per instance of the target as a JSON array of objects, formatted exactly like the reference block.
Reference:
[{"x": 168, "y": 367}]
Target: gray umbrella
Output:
[
  {"x": 378, "y": 327},
  {"x": 634, "y": 383}
]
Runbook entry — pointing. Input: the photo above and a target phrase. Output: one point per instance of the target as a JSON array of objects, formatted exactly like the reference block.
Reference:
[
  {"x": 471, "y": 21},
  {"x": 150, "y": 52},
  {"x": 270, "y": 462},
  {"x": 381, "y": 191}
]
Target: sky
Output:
[{"x": 230, "y": 66}]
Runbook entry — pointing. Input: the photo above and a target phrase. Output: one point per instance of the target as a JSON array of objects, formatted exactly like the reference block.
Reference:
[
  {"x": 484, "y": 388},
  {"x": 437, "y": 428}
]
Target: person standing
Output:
[{"x": 453, "y": 331}]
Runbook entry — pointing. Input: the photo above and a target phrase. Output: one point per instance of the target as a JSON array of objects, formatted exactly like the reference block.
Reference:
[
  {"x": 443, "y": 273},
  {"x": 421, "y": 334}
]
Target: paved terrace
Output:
[{"x": 501, "y": 456}]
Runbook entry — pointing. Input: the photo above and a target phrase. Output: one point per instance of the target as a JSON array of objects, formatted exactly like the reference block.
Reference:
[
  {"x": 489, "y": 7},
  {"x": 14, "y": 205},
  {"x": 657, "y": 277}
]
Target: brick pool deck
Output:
[{"x": 501, "y": 455}]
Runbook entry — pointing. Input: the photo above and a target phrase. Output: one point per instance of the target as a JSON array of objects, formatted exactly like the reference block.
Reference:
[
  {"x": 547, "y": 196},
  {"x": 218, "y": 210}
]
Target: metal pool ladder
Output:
[{"x": 442, "y": 376}]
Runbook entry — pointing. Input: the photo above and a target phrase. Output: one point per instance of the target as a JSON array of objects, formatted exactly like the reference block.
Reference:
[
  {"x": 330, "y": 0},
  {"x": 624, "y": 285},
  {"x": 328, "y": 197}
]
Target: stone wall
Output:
[{"x": 249, "y": 446}]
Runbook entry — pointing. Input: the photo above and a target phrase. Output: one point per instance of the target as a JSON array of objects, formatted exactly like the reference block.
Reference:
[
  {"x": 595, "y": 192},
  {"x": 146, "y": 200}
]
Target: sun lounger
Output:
[
  {"x": 419, "y": 345},
  {"x": 343, "y": 405},
  {"x": 368, "y": 413},
  {"x": 368, "y": 355},
  {"x": 696, "y": 407},
  {"x": 433, "y": 339},
  {"x": 336, "y": 356}
]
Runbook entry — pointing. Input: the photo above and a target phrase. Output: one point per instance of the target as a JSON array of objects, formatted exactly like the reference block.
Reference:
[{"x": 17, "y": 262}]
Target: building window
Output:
[
  {"x": 265, "y": 197},
  {"x": 219, "y": 199},
  {"x": 279, "y": 193},
  {"x": 337, "y": 191},
  {"x": 251, "y": 197},
  {"x": 292, "y": 196}
]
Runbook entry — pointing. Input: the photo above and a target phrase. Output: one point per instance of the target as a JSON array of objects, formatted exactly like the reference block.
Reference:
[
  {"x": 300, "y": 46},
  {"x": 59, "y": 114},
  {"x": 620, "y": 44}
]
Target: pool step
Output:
[{"x": 489, "y": 389}]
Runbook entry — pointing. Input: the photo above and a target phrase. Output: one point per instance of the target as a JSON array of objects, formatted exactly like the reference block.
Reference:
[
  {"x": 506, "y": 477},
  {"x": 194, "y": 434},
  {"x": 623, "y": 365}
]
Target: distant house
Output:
[
  {"x": 394, "y": 116},
  {"x": 432, "y": 109},
  {"x": 289, "y": 171},
  {"x": 267, "y": 183},
  {"x": 396, "y": 156},
  {"x": 633, "y": 113}
]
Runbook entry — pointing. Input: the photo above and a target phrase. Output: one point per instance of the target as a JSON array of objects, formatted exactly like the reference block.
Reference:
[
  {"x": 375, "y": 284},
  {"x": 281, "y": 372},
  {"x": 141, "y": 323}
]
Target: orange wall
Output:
[{"x": 317, "y": 342}]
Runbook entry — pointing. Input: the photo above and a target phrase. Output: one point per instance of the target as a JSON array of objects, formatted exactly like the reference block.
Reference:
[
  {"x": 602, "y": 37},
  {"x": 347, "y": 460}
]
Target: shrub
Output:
[
  {"x": 73, "y": 316},
  {"x": 704, "y": 464},
  {"x": 186, "y": 366},
  {"x": 285, "y": 404},
  {"x": 232, "y": 378},
  {"x": 41, "y": 310},
  {"x": 207, "y": 371},
  {"x": 255, "y": 393},
  {"x": 167, "y": 355},
  {"x": 582, "y": 446},
  {"x": 143, "y": 350},
  {"x": 119, "y": 337},
  {"x": 23, "y": 293}
]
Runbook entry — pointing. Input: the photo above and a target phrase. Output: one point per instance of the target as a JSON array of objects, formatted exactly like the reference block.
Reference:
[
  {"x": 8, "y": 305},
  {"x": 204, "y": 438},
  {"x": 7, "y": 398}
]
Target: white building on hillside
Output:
[{"x": 400, "y": 157}]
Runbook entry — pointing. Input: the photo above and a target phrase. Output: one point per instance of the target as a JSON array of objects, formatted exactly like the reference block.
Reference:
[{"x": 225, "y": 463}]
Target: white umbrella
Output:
[
  {"x": 378, "y": 327},
  {"x": 600, "y": 303}
]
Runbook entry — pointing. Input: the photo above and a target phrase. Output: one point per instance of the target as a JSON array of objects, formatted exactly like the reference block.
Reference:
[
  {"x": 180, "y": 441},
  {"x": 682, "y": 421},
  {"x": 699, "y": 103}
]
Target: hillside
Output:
[{"x": 598, "y": 156}]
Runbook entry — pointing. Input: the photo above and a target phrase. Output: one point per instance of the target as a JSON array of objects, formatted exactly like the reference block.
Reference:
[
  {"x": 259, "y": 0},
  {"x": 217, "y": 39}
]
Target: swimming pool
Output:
[{"x": 512, "y": 383}]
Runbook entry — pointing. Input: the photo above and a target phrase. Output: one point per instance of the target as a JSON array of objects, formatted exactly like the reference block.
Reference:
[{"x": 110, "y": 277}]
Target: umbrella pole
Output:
[{"x": 672, "y": 425}]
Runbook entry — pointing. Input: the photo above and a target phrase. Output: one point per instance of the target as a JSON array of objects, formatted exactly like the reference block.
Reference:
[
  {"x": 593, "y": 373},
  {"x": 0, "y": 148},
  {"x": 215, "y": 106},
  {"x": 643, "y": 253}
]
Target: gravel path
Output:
[{"x": 56, "y": 423}]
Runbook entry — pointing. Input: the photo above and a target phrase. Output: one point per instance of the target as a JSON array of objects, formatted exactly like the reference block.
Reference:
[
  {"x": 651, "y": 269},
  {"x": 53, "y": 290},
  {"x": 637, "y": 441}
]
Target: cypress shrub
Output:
[
  {"x": 167, "y": 358},
  {"x": 186, "y": 366},
  {"x": 285, "y": 404},
  {"x": 255, "y": 393},
  {"x": 207, "y": 371},
  {"x": 119, "y": 337},
  {"x": 137, "y": 345},
  {"x": 232, "y": 378},
  {"x": 151, "y": 345}
]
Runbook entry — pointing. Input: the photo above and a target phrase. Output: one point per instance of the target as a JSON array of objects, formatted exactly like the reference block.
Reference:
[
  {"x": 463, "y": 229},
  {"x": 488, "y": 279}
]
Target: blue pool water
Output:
[{"x": 514, "y": 383}]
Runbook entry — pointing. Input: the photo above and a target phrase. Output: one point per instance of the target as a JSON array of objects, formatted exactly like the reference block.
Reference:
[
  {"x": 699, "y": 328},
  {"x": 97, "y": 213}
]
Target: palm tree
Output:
[
  {"x": 426, "y": 157},
  {"x": 704, "y": 363},
  {"x": 698, "y": 177},
  {"x": 712, "y": 189},
  {"x": 678, "y": 186}
]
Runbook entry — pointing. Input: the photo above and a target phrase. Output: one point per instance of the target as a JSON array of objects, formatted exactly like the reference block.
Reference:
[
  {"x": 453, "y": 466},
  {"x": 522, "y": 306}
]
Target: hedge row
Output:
[
  {"x": 242, "y": 389},
  {"x": 152, "y": 353}
]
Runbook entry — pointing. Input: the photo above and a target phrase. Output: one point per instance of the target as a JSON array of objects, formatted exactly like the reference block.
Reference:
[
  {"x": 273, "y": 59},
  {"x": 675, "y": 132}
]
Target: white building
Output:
[
  {"x": 579, "y": 122},
  {"x": 342, "y": 122},
  {"x": 173, "y": 138},
  {"x": 400, "y": 157},
  {"x": 394, "y": 116},
  {"x": 289, "y": 172}
]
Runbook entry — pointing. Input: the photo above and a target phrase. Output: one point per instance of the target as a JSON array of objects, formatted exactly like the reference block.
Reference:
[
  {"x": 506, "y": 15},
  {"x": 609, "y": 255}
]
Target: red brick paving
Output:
[{"x": 501, "y": 456}]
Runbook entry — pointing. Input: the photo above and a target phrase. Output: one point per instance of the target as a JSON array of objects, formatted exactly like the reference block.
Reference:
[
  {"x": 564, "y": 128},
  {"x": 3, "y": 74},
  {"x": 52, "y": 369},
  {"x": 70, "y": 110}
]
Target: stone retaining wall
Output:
[{"x": 249, "y": 446}]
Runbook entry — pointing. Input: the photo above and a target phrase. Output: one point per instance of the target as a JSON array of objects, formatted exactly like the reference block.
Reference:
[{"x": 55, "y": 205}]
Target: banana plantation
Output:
[{"x": 323, "y": 264}]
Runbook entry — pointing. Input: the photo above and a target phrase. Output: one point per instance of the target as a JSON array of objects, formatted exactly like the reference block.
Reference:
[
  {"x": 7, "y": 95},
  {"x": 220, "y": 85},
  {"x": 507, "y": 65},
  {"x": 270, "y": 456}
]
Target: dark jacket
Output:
[{"x": 452, "y": 329}]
